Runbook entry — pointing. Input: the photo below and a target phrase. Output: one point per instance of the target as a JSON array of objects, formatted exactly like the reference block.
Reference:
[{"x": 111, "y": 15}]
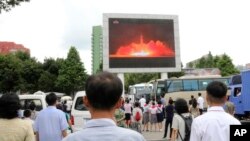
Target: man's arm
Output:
[
  {"x": 64, "y": 133},
  {"x": 37, "y": 136}
]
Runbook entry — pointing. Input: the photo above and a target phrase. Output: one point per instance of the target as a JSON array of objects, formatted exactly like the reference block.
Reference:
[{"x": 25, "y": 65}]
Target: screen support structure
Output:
[
  {"x": 164, "y": 75},
  {"x": 121, "y": 76}
]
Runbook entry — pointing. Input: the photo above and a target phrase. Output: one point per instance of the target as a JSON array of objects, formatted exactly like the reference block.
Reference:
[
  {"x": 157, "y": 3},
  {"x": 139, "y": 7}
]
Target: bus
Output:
[
  {"x": 139, "y": 90},
  {"x": 185, "y": 86},
  {"x": 240, "y": 93}
]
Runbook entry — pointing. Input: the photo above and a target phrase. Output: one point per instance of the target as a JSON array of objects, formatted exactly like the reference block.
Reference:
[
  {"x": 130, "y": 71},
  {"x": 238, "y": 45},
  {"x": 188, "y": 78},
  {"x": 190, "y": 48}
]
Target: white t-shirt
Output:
[
  {"x": 142, "y": 101},
  {"x": 213, "y": 125},
  {"x": 200, "y": 102}
]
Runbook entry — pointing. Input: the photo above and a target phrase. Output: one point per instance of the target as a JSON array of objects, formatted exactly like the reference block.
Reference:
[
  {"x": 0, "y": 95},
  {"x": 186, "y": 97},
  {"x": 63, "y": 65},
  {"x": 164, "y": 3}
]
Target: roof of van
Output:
[
  {"x": 31, "y": 96},
  {"x": 80, "y": 93}
]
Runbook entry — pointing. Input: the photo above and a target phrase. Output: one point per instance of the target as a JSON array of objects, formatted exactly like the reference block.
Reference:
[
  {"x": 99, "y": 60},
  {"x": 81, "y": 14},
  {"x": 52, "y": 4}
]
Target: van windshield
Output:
[{"x": 79, "y": 104}]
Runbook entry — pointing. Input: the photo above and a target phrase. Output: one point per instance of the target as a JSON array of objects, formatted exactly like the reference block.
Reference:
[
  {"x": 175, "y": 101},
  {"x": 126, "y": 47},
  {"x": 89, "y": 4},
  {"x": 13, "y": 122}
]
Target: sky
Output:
[{"x": 49, "y": 27}]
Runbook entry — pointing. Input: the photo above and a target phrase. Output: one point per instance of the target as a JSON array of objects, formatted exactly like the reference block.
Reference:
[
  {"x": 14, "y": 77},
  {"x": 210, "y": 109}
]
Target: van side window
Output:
[
  {"x": 79, "y": 104},
  {"x": 25, "y": 104},
  {"x": 237, "y": 91}
]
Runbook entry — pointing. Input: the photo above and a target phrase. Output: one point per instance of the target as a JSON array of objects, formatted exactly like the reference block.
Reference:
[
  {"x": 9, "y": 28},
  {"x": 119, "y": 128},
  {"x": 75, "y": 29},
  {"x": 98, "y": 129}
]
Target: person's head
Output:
[
  {"x": 181, "y": 106},
  {"x": 194, "y": 104},
  {"x": 9, "y": 106},
  {"x": 51, "y": 99},
  {"x": 216, "y": 93},
  {"x": 199, "y": 94},
  {"x": 103, "y": 91},
  {"x": 147, "y": 102},
  {"x": 192, "y": 97},
  {"x": 142, "y": 96},
  {"x": 127, "y": 101},
  {"x": 170, "y": 101},
  {"x": 229, "y": 108},
  {"x": 59, "y": 106},
  {"x": 137, "y": 104},
  {"x": 27, "y": 113},
  {"x": 153, "y": 103},
  {"x": 32, "y": 106},
  {"x": 159, "y": 102}
]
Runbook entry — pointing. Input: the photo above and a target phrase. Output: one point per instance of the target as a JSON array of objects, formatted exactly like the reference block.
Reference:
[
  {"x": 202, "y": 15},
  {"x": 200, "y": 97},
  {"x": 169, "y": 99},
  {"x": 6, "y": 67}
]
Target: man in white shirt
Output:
[
  {"x": 142, "y": 101},
  {"x": 103, "y": 97},
  {"x": 51, "y": 123},
  {"x": 200, "y": 102},
  {"x": 215, "y": 124}
]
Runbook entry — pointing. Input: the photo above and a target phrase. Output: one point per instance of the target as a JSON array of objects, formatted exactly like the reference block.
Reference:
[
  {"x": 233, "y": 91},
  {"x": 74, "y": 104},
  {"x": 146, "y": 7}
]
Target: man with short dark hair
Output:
[
  {"x": 103, "y": 97},
  {"x": 51, "y": 124},
  {"x": 200, "y": 102},
  {"x": 215, "y": 124}
]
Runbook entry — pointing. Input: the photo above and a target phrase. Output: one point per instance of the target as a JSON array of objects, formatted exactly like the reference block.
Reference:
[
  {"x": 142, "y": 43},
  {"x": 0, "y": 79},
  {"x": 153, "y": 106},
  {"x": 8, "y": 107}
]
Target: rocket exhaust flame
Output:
[{"x": 150, "y": 49}]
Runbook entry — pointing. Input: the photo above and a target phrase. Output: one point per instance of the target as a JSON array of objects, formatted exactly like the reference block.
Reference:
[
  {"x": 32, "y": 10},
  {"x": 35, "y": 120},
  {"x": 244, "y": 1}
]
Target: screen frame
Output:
[{"x": 106, "y": 67}]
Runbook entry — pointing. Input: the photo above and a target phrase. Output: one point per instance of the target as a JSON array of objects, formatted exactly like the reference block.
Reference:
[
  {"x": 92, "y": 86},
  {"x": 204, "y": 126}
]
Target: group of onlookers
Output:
[
  {"x": 103, "y": 99},
  {"x": 213, "y": 125}
]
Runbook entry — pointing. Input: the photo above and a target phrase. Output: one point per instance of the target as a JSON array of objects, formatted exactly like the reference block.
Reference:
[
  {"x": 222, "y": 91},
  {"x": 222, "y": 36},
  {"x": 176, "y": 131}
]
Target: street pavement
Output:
[{"x": 153, "y": 136}]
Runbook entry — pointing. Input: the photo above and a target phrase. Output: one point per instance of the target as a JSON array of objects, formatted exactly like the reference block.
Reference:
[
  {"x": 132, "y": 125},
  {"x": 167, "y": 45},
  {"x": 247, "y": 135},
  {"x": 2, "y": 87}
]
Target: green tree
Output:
[
  {"x": 224, "y": 63},
  {"x": 209, "y": 61},
  {"x": 31, "y": 71},
  {"x": 6, "y": 5},
  {"x": 47, "y": 82},
  {"x": 226, "y": 66},
  {"x": 10, "y": 78},
  {"x": 72, "y": 75},
  {"x": 201, "y": 63}
]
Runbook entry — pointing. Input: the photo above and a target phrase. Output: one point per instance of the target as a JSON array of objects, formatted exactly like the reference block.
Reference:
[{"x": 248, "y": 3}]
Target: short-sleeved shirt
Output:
[
  {"x": 127, "y": 108},
  {"x": 106, "y": 130},
  {"x": 16, "y": 130},
  {"x": 213, "y": 125},
  {"x": 200, "y": 102},
  {"x": 142, "y": 101},
  {"x": 50, "y": 123},
  {"x": 179, "y": 124}
]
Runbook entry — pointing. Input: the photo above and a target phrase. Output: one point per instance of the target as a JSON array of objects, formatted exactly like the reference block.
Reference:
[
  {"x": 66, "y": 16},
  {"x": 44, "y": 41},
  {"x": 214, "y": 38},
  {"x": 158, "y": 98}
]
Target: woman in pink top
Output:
[{"x": 127, "y": 111}]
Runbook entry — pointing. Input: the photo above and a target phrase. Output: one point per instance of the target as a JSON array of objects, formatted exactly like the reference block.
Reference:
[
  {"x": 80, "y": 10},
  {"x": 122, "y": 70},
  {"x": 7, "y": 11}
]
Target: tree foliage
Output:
[
  {"x": 21, "y": 73},
  {"x": 72, "y": 75},
  {"x": 6, "y": 5},
  {"x": 10, "y": 78},
  {"x": 223, "y": 62}
]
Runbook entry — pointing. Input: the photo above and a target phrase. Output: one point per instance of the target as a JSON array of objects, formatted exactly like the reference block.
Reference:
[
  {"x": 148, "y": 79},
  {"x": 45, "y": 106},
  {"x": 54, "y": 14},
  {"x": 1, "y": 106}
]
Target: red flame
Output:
[{"x": 150, "y": 49}]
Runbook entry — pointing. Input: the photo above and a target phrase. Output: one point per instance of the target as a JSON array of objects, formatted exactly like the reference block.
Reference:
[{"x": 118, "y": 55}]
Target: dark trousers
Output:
[
  {"x": 166, "y": 128},
  {"x": 201, "y": 111}
]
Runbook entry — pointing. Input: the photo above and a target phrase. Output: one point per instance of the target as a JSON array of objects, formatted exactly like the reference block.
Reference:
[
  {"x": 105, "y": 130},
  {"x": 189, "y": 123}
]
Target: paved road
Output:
[{"x": 153, "y": 136}]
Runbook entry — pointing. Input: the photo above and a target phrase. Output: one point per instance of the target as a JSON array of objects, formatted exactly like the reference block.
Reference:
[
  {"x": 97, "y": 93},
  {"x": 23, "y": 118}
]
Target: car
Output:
[
  {"x": 26, "y": 100},
  {"x": 79, "y": 112}
]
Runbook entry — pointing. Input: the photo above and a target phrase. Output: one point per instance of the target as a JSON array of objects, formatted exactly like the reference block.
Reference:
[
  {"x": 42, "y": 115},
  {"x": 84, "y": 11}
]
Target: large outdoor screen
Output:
[{"x": 141, "y": 43}]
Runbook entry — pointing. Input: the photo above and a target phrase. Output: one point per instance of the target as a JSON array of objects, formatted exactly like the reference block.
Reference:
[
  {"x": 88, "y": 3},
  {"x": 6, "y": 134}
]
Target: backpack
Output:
[
  {"x": 137, "y": 116},
  {"x": 188, "y": 122}
]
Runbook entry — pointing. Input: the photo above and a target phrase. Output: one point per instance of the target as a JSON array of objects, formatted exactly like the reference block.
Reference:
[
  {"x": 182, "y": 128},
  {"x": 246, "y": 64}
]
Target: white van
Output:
[
  {"x": 26, "y": 100},
  {"x": 79, "y": 113}
]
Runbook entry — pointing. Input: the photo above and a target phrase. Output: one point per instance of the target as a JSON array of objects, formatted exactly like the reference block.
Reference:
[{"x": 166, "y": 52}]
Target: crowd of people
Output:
[{"x": 112, "y": 117}]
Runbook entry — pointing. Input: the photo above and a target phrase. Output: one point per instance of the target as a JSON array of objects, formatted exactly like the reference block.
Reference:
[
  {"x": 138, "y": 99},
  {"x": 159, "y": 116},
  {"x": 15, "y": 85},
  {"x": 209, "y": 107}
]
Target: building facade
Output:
[
  {"x": 11, "y": 47},
  {"x": 97, "y": 49}
]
